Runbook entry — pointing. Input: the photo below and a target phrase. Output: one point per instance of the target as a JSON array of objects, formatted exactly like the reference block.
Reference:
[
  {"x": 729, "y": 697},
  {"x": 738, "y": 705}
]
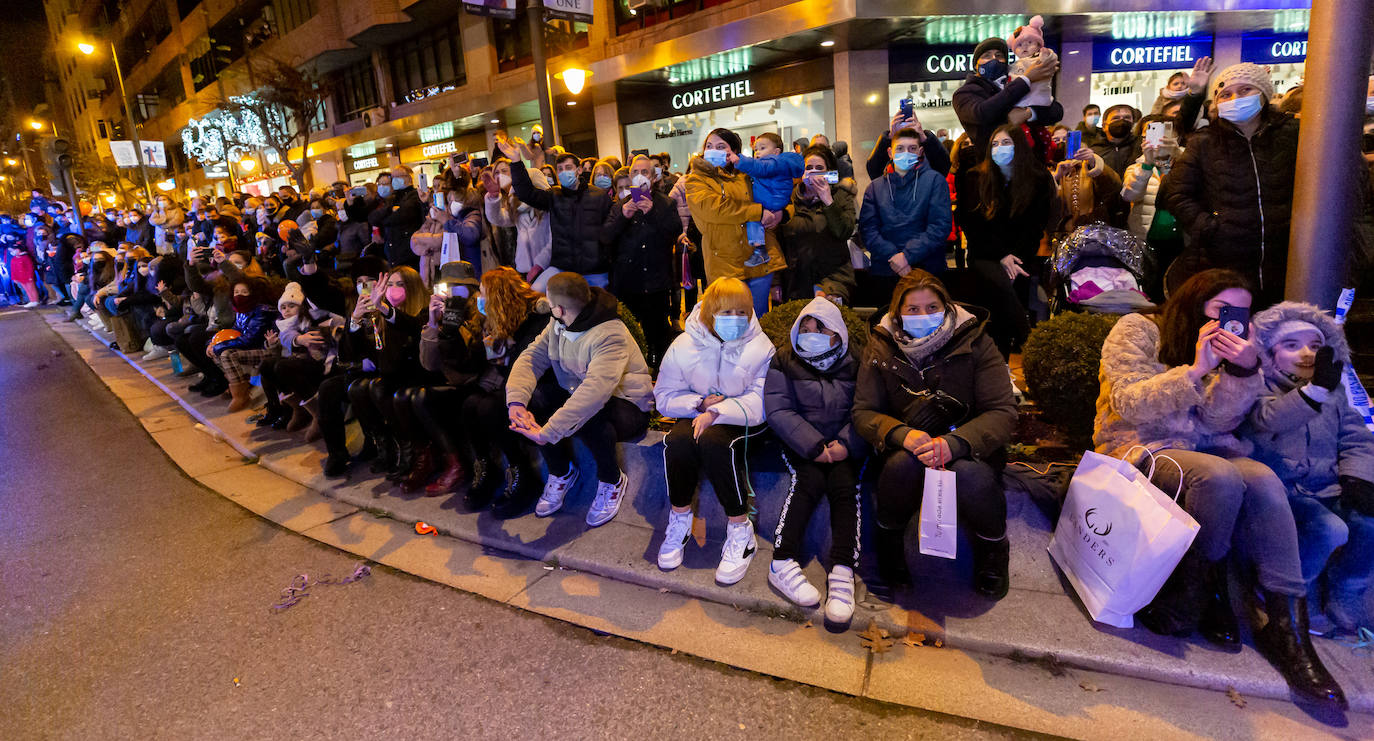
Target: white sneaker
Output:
[
  {"x": 738, "y": 552},
  {"x": 1016, "y": 394},
  {"x": 786, "y": 576},
  {"x": 675, "y": 540},
  {"x": 555, "y": 488},
  {"x": 839, "y": 598},
  {"x": 607, "y": 501},
  {"x": 157, "y": 353},
  {"x": 31, "y": 305}
]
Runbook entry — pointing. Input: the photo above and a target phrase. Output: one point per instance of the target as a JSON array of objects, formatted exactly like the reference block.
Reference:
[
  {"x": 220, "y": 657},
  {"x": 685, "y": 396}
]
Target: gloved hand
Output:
[
  {"x": 1326, "y": 371},
  {"x": 1357, "y": 495}
]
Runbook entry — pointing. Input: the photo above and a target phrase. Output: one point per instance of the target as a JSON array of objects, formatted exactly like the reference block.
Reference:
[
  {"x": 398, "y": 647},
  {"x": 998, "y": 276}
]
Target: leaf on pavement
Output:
[
  {"x": 915, "y": 640},
  {"x": 699, "y": 530},
  {"x": 1236, "y": 698},
  {"x": 875, "y": 639},
  {"x": 1089, "y": 687}
]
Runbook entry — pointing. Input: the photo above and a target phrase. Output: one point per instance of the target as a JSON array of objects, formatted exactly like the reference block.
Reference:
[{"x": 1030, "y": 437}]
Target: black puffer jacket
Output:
[
  {"x": 982, "y": 107},
  {"x": 576, "y": 220},
  {"x": 1234, "y": 198},
  {"x": 641, "y": 246},
  {"x": 815, "y": 241},
  {"x": 403, "y": 218},
  {"x": 968, "y": 367},
  {"x": 807, "y": 408}
]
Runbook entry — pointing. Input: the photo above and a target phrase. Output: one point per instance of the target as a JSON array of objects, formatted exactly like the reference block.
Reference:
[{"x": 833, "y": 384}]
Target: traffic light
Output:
[{"x": 62, "y": 149}]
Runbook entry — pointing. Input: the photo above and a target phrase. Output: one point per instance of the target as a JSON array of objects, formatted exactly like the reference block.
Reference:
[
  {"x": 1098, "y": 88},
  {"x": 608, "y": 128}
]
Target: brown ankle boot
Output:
[
  {"x": 448, "y": 478},
  {"x": 421, "y": 467},
  {"x": 300, "y": 419},
  {"x": 240, "y": 395}
]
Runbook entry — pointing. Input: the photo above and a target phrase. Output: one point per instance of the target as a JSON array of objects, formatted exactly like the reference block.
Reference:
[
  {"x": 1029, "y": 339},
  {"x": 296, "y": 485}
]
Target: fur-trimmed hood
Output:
[{"x": 1267, "y": 323}]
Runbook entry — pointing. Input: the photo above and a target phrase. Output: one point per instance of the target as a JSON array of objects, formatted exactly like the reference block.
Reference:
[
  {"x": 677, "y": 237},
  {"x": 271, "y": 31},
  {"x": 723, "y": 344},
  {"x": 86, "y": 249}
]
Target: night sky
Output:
[{"x": 23, "y": 38}]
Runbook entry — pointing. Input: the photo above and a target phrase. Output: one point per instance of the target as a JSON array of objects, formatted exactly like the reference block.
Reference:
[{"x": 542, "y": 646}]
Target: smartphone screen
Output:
[
  {"x": 832, "y": 177},
  {"x": 1235, "y": 320},
  {"x": 478, "y": 163},
  {"x": 907, "y": 107},
  {"x": 1154, "y": 133},
  {"x": 440, "y": 202},
  {"x": 1074, "y": 143},
  {"x": 442, "y": 290}
]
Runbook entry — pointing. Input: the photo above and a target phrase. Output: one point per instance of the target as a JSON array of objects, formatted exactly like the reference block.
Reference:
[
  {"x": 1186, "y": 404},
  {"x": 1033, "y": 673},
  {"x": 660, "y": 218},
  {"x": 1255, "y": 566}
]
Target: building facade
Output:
[{"x": 413, "y": 81}]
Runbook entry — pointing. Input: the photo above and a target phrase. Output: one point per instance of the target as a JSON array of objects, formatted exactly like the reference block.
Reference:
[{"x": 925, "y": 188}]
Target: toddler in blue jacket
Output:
[{"x": 774, "y": 172}]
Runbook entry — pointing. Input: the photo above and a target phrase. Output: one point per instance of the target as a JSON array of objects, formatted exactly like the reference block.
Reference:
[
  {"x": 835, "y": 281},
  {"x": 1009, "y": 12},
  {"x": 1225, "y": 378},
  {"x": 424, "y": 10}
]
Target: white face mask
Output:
[
  {"x": 455, "y": 208},
  {"x": 624, "y": 193},
  {"x": 503, "y": 181},
  {"x": 639, "y": 180}
]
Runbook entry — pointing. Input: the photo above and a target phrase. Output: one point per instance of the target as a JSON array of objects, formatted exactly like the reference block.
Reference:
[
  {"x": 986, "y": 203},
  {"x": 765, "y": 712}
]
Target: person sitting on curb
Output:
[{"x": 599, "y": 393}]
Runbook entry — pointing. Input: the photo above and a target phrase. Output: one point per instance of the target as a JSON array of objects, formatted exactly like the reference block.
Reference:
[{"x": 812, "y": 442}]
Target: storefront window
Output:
[
  {"x": 512, "y": 38},
  {"x": 1133, "y": 72},
  {"x": 792, "y": 117}
]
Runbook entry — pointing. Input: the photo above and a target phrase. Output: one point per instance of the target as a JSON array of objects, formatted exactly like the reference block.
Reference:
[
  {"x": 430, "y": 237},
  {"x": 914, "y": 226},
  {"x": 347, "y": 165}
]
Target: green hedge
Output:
[
  {"x": 1061, "y": 360},
  {"x": 777, "y": 324}
]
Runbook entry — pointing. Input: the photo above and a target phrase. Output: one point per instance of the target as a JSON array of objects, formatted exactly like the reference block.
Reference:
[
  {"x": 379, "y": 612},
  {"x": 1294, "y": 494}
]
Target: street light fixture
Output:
[
  {"x": 11, "y": 161},
  {"x": 574, "y": 79},
  {"x": 87, "y": 48},
  {"x": 36, "y": 125}
]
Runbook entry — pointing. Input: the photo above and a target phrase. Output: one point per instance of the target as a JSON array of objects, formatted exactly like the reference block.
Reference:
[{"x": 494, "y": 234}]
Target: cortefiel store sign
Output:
[
  {"x": 1146, "y": 54},
  {"x": 737, "y": 90},
  {"x": 647, "y": 100}
]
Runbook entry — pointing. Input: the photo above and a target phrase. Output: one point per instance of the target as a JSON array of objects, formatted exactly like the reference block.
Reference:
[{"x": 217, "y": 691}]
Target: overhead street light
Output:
[
  {"x": 87, "y": 48},
  {"x": 574, "y": 79},
  {"x": 36, "y": 125}
]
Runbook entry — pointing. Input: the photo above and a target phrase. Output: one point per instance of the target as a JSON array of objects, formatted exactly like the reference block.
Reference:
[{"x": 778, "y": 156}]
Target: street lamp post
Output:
[{"x": 89, "y": 49}]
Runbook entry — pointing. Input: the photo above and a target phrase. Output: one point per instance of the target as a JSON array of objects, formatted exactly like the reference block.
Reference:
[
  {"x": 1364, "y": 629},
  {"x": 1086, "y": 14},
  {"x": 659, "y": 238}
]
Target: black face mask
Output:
[
  {"x": 992, "y": 70},
  {"x": 1119, "y": 129}
]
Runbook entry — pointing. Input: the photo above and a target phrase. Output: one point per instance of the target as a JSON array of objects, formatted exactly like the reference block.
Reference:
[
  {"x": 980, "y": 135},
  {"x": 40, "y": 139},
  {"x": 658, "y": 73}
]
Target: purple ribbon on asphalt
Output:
[{"x": 300, "y": 586}]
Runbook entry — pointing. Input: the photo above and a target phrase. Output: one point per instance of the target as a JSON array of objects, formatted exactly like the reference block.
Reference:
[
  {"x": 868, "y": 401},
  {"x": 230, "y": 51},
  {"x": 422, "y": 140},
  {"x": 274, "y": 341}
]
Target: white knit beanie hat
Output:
[
  {"x": 1248, "y": 73},
  {"x": 292, "y": 294}
]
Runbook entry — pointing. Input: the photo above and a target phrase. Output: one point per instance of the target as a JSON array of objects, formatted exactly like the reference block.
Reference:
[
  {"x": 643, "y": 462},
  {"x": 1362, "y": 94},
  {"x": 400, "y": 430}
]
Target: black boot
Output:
[
  {"x": 1285, "y": 642},
  {"x": 990, "y": 566},
  {"x": 486, "y": 478},
  {"x": 889, "y": 546},
  {"x": 336, "y": 464},
  {"x": 386, "y": 454},
  {"x": 522, "y": 488},
  {"x": 1218, "y": 623},
  {"x": 369, "y": 451},
  {"x": 405, "y": 458},
  {"x": 276, "y": 412},
  {"x": 1175, "y": 609}
]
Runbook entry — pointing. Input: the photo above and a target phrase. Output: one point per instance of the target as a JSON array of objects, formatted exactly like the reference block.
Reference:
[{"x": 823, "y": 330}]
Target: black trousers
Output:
[
  {"x": 619, "y": 420},
  {"x": 653, "y": 312},
  {"x": 720, "y": 451},
  {"x": 434, "y": 413},
  {"x": 373, "y": 400},
  {"x": 333, "y": 408},
  {"x": 296, "y": 374},
  {"x": 982, "y": 503},
  {"x": 838, "y": 483},
  {"x": 192, "y": 344},
  {"x": 487, "y": 412},
  {"x": 1009, "y": 320}
]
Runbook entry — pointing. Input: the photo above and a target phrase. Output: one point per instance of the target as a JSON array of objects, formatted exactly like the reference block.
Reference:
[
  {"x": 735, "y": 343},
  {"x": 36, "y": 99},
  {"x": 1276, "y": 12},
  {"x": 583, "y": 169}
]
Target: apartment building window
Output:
[
  {"x": 211, "y": 54},
  {"x": 427, "y": 64},
  {"x": 184, "y": 7},
  {"x": 292, "y": 13},
  {"x": 512, "y": 38},
  {"x": 356, "y": 91},
  {"x": 144, "y": 35},
  {"x": 146, "y": 106},
  {"x": 652, "y": 12}
]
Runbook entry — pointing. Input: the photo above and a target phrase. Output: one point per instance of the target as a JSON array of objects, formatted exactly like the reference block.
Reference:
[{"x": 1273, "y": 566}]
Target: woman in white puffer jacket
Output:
[
  {"x": 711, "y": 381},
  {"x": 533, "y": 240}
]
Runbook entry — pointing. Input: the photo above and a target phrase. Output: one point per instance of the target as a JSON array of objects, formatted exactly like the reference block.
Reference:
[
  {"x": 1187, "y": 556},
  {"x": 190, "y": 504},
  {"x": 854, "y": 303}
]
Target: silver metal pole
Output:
[
  {"x": 133, "y": 128},
  {"x": 535, "y": 9}
]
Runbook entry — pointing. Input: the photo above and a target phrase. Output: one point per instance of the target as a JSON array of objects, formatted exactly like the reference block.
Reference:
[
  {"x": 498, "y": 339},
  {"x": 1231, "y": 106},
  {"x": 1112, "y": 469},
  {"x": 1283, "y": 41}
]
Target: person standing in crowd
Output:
[
  {"x": 932, "y": 392},
  {"x": 576, "y": 211},
  {"x": 1148, "y": 220},
  {"x": 721, "y": 204},
  {"x": 807, "y": 399},
  {"x": 22, "y": 269},
  {"x": 1232, "y": 190},
  {"x": 1318, "y": 445},
  {"x": 815, "y": 237},
  {"x": 800, "y": 144},
  {"x": 598, "y": 392},
  {"x": 642, "y": 229},
  {"x": 664, "y": 180},
  {"x": 533, "y": 240},
  {"x": 711, "y": 382},
  {"x": 1092, "y": 132},
  {"x": 355, "y": 233},
  {"x": 988, "y": 97},
  {"x": 844, "y": 165},
  {"x": 323, "y": 228},
  {"x": 1179, "y": 384},
  {"x": 904, "y": 221},
  {"x": 1120, "y": 146},
  {"x": 935, "y": 156},
  {"x": 403, "y": 217},
  {"x": 1004, "y": 208},
  {"x": 165, "y": 218}
]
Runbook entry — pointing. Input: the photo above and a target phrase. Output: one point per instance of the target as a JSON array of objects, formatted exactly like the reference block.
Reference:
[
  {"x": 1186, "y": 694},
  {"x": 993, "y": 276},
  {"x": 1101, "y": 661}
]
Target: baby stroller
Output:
[{"x": 1100, "y": 268}]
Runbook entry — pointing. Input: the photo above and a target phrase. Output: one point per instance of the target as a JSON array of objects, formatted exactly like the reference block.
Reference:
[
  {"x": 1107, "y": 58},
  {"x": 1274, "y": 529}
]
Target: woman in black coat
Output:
[{"x": 815, "y": 236}]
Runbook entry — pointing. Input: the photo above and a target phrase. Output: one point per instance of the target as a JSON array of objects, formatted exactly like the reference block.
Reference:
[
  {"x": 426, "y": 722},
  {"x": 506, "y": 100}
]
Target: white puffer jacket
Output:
[
  {"x": 699, "y": 364},
  {"x": 1140, "y": 188}
]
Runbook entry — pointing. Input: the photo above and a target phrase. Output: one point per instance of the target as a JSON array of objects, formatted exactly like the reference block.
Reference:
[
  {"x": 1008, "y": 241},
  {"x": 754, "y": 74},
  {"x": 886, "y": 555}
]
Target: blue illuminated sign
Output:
[
  {"x": 1273, "y": 48},
  {"x": 1143, "y": 54}
]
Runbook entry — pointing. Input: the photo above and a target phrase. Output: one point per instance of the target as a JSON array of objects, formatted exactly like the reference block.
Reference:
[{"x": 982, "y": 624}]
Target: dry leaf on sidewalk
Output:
[
  {"x": 875, "y": 639},
  {"x": 1236, "y": 698},
  {"x": 699, "y": 530},
  {"x": 915, "y": 640},
  {"x": 1090, "y": 687}
]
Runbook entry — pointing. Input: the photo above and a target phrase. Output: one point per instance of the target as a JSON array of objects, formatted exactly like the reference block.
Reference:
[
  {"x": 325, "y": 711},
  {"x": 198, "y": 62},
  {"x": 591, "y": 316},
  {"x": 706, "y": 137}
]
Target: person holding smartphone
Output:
[
  {"x": 815, "y": 237},
  {"x": 1179, "y": 383},
  {"x": 904, "y": 221},
  {"x": 642, "y": 228}
]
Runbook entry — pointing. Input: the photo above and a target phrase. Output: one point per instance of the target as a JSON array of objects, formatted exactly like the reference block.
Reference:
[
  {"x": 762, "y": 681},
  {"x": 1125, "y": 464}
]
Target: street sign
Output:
[
  {"x": 571, "y": 10},
  {"x": 493, "y": 8},
  {"x": 154, "y": 153}
]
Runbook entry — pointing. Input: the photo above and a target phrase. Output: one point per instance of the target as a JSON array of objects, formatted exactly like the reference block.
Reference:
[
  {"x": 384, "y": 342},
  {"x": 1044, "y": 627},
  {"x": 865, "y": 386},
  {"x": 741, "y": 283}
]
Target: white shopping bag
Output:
[
  {"x": 1118, "y": 537},
  {"x": 939, "y": 532}
]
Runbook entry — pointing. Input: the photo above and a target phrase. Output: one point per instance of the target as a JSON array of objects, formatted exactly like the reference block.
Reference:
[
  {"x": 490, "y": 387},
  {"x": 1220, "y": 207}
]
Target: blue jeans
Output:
[
  {"x": 1323, "y": 526},
  {"x": 760, "y": 287},
  {"x": 755, "y": 233}
]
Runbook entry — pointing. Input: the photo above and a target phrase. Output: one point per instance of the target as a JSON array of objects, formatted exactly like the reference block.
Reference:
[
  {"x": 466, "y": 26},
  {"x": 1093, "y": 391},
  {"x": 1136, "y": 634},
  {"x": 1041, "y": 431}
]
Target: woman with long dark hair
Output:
[
  {"x": 1179, "y": 383},
  {"x": 1004, "y": 207}
]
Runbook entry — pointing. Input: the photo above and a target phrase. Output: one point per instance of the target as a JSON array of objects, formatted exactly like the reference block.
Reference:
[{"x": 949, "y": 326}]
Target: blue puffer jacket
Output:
[
  {"x": 251, "y": 326},
  {"x": 773, "y": 177},
  {"x": 909, "y": 214}
]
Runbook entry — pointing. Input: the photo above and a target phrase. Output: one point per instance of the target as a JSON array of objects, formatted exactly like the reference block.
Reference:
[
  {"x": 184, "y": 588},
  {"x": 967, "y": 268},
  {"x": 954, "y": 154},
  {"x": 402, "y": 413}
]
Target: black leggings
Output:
[
  {"x": 653, "y": 311},
  {"x": 619, "y": 420},
  {"x": 982, "y": 503},
  {"x": 486, "y": 410},
  {"x": 836, "y": 482},
  {"x": 435, "y": 412},
  {"x": 373, "y": 400},
  {"x": 333, "y": 402},
  {"x": 719, "y": 450},
  {"x": 297, "y": 374}
]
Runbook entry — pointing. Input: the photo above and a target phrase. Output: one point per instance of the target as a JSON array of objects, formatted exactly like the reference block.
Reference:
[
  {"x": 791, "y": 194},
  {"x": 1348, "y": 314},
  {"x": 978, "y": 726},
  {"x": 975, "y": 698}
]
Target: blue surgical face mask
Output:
[
  {"x": 481, "y": 304},
  {"x": 317, "y": 212},
  {"x": 905, "y": 161},
  {"x": 399, "y": 183},
  {"x": 716, "y": 157},
  {"x": 384, "y": 190},
  {"x": 730, "y": 328},
  {"x": 1002, "y": 154},
  {"x": 1239, "y": 110},
  {"x": 813, "y": 342},
  {"x": 922, "y": 325},
  {"x": 602, "y": 182},
  {"x": 567, "y": 178}
]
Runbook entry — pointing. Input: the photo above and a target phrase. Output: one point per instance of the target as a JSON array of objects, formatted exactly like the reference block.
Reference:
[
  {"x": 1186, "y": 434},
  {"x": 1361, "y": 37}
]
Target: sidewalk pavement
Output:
[{"x": 606, "y": 579}]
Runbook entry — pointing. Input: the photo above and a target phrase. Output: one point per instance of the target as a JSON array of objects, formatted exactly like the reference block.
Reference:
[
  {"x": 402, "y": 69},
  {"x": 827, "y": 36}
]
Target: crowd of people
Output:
[{"x": 503, "y": 311}]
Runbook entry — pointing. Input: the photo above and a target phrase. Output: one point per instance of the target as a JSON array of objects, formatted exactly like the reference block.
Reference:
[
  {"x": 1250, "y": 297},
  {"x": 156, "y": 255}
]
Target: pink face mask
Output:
[{"x": 396, "y": 295}]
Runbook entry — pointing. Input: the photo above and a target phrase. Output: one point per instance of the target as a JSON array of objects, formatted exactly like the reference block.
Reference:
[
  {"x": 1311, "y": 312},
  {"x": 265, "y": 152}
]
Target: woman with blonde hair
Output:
[
  {"x": 711, "y": 381},
  {"x": 533, "y": 241}
]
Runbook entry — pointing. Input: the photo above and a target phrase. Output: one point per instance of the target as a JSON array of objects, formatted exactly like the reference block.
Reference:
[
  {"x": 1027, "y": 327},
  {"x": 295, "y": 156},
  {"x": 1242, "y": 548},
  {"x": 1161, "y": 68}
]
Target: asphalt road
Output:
[{"x": 132, "y": 599}]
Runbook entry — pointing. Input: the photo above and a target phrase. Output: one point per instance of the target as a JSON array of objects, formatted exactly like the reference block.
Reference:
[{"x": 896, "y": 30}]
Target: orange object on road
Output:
[{"x": 424, "y": 528}]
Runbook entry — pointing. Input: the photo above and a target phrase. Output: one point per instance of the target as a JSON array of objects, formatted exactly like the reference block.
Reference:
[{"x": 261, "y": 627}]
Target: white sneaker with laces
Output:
[
  {"x": 839, "y": 599},
  {"x": 786, "y": 576},
  {"x": 555, "y": 488},
  {"x": 157, "y": 353},
  {"x": 738, "y": 551},
  {"x": 31, "y": 305},
  {"x": 607, "y": 501},
  {"x": 675, "y": 540}
]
